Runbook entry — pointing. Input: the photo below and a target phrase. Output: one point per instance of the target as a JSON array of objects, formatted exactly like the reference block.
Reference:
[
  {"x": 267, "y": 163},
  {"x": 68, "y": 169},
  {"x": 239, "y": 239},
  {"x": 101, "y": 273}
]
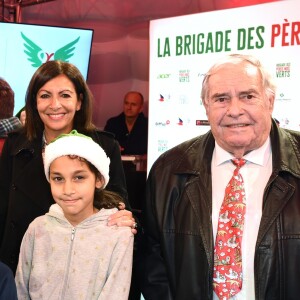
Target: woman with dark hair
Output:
[{"x": 57, "y": 101}]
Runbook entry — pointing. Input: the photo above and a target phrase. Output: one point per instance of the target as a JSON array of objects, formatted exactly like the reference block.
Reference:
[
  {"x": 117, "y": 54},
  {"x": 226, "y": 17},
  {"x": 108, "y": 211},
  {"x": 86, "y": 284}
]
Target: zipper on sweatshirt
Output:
[
  {"x": 73, "y": 234},
  {"x": 73, "y": 231}
]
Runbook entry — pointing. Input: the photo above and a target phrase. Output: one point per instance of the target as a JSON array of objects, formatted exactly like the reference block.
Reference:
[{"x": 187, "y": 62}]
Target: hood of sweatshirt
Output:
[{"x": 101, "y": 216}]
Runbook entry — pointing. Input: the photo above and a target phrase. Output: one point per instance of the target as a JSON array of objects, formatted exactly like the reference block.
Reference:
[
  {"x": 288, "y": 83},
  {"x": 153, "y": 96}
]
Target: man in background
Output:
[
  {"x": 131, "y": 131},
  {"x": 131, "y": 126}
]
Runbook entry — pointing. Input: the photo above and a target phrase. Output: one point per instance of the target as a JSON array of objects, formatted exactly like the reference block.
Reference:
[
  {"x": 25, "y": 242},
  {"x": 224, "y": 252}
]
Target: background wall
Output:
[{"x": 120, "y": 51}]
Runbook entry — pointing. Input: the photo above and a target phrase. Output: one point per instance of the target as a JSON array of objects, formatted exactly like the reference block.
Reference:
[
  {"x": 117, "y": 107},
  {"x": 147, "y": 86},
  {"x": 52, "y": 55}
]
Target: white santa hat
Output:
[{"x": 78, "y": 144}]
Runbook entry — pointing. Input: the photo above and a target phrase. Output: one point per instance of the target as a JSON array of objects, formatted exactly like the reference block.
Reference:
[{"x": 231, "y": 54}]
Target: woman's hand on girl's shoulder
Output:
[{"x": 123, "y": 217}]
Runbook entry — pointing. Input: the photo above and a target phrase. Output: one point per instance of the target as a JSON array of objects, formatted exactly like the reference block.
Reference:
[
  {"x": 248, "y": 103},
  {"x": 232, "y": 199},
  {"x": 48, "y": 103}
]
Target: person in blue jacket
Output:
[{"x": 8, "y": 289}]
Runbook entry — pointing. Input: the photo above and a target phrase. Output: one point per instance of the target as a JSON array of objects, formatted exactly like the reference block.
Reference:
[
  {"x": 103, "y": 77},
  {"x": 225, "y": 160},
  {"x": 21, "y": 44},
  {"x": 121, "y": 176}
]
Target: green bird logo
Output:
[{"x": 37, "y": 56}]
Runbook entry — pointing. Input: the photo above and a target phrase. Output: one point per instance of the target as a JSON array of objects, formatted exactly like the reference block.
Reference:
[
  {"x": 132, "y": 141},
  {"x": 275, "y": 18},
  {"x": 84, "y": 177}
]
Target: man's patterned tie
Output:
[{"x": 228, "y": 277}]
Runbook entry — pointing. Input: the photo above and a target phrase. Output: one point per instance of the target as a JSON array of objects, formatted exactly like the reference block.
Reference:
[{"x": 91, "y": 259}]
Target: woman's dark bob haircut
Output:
[{"x": 47, "y": 71}]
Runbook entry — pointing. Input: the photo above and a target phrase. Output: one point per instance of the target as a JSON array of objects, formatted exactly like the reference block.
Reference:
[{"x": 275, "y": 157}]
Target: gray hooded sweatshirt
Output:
[{"x": 89, "y": 261}]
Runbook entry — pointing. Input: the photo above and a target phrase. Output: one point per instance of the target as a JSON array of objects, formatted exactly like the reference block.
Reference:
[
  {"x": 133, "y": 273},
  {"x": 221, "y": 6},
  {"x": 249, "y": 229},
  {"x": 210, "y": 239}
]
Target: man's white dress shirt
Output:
[{"x": 256, "y": 173}]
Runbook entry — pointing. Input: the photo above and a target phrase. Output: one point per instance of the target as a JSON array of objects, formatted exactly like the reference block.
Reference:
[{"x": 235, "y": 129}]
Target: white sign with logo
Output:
[{"x": 182, "y": 49}]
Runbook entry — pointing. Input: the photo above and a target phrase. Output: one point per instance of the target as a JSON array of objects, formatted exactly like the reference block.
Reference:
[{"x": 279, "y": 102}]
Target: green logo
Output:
[{"x": 37, "y": 56}]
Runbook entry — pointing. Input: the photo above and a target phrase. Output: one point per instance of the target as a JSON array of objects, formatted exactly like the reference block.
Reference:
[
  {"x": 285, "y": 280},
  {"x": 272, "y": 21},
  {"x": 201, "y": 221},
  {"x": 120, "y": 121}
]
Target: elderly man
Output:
[{"x": 222, "y": 216}]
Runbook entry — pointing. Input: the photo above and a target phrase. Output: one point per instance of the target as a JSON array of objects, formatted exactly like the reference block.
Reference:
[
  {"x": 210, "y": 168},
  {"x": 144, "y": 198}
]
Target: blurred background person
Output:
[
  {"x": 131, "y": 131},
  {"x": 8, "y": 289},
  {"x": 21, "y": 114},
  {"x": 131, "y": 126},
  {"x": 8, "y": 122}
]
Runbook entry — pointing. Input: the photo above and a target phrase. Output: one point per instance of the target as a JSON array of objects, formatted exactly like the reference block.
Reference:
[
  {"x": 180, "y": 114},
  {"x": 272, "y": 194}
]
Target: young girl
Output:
[{"x": 71, "y": 253}]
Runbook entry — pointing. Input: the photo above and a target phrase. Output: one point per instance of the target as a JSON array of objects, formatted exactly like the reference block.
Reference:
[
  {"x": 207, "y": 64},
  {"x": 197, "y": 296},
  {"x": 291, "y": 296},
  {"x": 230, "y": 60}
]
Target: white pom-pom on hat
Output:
[{"x": 78, "y": 144}]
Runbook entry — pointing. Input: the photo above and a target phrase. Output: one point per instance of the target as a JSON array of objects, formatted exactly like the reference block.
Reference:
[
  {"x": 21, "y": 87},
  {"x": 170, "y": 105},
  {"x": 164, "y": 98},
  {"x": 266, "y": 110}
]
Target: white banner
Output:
[{"x": 182, "y": 49}]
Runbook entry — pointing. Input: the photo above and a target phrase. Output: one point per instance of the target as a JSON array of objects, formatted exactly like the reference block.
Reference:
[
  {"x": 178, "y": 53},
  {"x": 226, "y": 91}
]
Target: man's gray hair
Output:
[{"x": 268, "y": 84}]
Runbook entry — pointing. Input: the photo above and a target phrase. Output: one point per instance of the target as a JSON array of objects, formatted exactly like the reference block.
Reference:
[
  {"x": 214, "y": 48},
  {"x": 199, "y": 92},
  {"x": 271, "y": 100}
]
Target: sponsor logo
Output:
[
  {"x": 283, "y": 70},
  {"x": 164, "y": 97},
  {"x": 163, "y": 76},
  {"x": 184, "y": 75},
  {"x": 162, "y": 145},
  {"x": 201, "y": 74},
  {"x": 37, "y": 56},
  {"x": 282, "y": 97},
  {"x": 161, "y": 98},
  {"x": 202, "y": 123},
  {"x": 183, "y": 100},
  {"x": 180, "y": 122},
  {"x": 162, "y": 124}
]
